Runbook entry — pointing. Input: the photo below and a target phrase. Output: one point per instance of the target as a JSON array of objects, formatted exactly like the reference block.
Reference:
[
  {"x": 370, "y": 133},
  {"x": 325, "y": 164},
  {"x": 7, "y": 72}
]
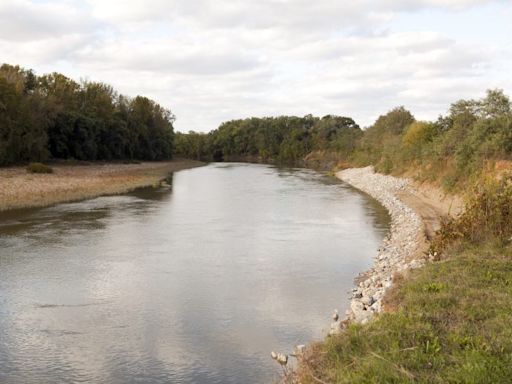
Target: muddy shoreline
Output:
[{"x": 20, "y": 189}]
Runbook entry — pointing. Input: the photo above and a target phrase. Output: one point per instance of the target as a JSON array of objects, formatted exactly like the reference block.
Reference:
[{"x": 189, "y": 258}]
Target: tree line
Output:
[
  {"x": 286, "y": 139},
  {"x": 453, "y": 149},
  {"x": 456, "y": 149},
  {"x": 54, "y": 117}
]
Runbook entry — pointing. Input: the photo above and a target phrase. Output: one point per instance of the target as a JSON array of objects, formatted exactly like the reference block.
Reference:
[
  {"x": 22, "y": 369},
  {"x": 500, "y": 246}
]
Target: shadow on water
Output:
[
  {"x": 373, "y": 209},
  {"x": 84, "y": 215},
  {"x": 159, "y": 193}
]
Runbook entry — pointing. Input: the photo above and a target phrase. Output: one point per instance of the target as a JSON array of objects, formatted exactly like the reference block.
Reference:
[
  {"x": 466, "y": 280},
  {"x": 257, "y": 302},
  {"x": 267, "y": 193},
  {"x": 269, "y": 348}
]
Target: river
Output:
[{"x": 191, "y": 284}]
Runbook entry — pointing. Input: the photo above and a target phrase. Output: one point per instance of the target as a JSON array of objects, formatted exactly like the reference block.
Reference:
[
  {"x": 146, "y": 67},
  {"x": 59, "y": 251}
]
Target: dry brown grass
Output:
[{"x": 19, "y": 189}]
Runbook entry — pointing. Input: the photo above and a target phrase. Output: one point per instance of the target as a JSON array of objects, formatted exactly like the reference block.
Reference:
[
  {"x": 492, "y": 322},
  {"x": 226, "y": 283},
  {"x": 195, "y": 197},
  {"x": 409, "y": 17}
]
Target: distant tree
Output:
[
  {"x": 394, "y": 122},
  {"x": 151, "y": 127},
  {"x": 495, "y": 104},
  {"x": 23, "y": 118},
  {"x": 464, "y": 107}
]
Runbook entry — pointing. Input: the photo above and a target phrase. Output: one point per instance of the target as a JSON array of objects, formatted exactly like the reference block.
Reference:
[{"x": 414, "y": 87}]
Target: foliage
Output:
[
  {"x": 487, "y": 217},
  {"x": 454, "y": 151},
  {"x": 418, "y": 134},
  {"x": 192, "y": 145},
  {"x": 380, "y": 143},
  {"x": 52, "y": 116},
  {"x": 39, "y": 168},
  {"x": 286, "y": 139}
]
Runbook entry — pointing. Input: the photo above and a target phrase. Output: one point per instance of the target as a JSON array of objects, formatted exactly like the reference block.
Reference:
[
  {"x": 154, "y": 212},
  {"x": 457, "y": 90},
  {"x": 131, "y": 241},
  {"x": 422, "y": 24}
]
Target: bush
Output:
[
  {"x": 39, "y": 168},
  {"x": 488, "y": 216},
  {"x": 418, "y": 134}
]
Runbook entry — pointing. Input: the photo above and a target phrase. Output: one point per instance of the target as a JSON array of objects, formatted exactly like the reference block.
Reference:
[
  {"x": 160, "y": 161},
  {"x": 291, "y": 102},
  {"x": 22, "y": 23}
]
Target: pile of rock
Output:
[{"x": 392, "y": 256}]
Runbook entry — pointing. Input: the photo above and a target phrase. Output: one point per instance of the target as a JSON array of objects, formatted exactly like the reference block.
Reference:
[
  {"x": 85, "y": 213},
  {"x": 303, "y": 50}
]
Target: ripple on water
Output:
[{"x": 190, "y": 285}]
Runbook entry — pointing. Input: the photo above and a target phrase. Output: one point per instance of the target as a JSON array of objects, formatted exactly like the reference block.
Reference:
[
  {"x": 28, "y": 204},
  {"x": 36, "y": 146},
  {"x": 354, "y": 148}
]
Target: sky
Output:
[{"x": 213, "y": 61}]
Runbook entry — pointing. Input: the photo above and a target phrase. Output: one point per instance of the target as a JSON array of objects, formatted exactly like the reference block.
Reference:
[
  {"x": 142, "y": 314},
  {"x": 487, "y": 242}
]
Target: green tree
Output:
[{"x": 54, "y": 116}]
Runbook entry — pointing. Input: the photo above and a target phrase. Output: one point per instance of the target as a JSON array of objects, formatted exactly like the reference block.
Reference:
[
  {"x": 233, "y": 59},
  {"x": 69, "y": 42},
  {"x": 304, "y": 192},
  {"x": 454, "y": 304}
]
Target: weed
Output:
[
  {"x": 39, "y": 168},
  {"x": 433, "y": 287}
]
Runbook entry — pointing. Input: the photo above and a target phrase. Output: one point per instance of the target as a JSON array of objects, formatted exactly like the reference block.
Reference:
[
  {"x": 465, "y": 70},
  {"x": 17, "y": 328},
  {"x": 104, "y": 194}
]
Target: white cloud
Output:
[
  {"x": 212, "y": 61},
  {"x": 168, "y": 55},
  {"x": 32, "y": 21},
  {"x": 448, "y": 4}
]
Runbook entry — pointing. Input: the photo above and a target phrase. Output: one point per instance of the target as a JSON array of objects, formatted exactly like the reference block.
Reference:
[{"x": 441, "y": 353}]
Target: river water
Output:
[{"x": 191, "y": 284}]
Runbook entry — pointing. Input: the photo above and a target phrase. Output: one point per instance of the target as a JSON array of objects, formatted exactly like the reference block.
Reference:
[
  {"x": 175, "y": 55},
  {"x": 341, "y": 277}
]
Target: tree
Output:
[
  {"x": 496, "y": 104},
  {"x": 54, "y": 116}
]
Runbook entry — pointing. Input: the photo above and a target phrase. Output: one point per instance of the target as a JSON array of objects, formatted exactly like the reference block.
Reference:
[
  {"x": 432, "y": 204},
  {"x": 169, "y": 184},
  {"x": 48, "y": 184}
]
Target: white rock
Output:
[{"x": 406, "y": 226}]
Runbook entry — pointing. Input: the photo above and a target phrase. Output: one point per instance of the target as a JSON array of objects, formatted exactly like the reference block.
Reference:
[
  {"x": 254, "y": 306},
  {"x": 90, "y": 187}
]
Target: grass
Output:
[
  {"x": 452, "y": 324},
  {"x": 19, "y": 189}
]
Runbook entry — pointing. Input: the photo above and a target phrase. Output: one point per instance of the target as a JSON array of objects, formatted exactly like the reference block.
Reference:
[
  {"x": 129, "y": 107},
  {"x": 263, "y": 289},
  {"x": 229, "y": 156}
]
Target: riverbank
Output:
[
  {"x": 445, "y": 322},
  {"x": 415, "y": 213},
  {"x": 20, "y": 189}
]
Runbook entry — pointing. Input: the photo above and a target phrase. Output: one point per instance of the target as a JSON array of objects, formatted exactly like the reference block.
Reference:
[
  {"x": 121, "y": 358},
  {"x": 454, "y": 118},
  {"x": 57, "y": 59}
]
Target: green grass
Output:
[{"x": 452, "y": 324}]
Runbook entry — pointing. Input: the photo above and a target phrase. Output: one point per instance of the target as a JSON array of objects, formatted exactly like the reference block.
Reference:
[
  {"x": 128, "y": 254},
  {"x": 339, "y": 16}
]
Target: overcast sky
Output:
[{"x": 211, "y": 61}]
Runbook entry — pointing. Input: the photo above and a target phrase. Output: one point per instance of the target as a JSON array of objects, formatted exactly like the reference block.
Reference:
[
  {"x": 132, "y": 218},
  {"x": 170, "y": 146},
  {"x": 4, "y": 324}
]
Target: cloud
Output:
[
  {"x": 26, "y": 21},
  {"x": 169, "y": 55},
  {"x": 214, "y": 61},
  {"x": 290, "y": 14},
  {"x": 409, "y": 5}
]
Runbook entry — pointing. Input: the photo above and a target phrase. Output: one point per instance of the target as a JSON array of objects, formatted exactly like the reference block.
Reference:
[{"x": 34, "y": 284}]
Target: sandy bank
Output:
[
  {"x": 415, "y": 215},
  {"x": 19, "y": 189}
]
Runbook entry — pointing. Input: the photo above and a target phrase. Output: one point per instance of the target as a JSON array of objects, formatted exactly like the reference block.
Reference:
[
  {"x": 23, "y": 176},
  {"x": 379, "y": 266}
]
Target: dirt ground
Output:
[
  {"x": 431, "y": 204},
  {"x": 20, "y": 189}
]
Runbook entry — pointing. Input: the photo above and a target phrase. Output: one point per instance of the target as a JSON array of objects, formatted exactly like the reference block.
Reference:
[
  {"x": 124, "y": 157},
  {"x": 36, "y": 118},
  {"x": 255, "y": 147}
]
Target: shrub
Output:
[
  {"x": 39, "y": 168},
  {"x": 418, "y": 134},
  {"x": 488, "y": 216}
]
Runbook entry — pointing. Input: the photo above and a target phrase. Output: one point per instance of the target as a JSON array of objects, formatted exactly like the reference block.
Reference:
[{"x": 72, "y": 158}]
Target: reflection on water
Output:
[{"x": 195, "y": 282}]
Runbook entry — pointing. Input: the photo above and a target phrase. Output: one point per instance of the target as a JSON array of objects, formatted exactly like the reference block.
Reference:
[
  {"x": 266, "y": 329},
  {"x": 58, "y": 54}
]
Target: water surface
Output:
[{"x": 194, "y": 284}]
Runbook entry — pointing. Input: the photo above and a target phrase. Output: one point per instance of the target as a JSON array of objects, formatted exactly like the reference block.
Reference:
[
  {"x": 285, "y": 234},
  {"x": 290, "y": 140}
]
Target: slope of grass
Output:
[{"x": 453, "y": 324}]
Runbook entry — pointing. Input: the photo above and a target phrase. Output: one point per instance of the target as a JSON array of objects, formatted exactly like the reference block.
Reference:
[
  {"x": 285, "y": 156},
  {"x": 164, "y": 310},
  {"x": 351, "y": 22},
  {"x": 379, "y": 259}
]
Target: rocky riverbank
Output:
[{"x": 401, "y": 249}]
